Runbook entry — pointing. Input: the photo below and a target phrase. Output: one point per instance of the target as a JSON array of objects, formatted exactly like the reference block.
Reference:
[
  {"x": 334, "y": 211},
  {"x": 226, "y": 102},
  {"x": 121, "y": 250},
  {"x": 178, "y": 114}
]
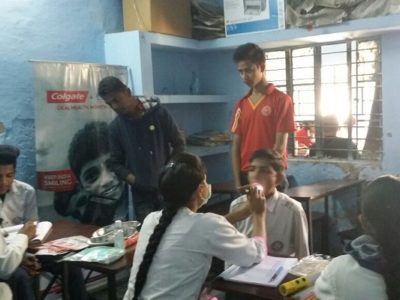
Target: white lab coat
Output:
[
  {"x": 5, "y": 291},
  {"x": 11, "y": 254},
  {"x": 10, "y": 258},
  {"x": 183, "y": 259}
]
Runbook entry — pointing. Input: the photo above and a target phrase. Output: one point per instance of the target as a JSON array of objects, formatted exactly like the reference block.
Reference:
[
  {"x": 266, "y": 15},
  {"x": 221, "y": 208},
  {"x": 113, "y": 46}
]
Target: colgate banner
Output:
[
  {"x": 71, "y": 139},
  {"x": 66, "y": 96}
]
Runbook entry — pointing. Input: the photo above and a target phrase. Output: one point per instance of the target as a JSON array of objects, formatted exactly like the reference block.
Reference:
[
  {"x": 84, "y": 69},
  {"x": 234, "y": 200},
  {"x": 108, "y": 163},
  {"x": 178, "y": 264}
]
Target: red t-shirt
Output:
[
  {"x": 303, "y": 138},
  {"x": 257, "y": 124}
]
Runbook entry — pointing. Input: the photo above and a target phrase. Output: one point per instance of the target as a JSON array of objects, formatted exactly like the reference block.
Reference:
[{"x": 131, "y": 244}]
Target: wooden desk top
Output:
[
  {"x": 321, "y": 189},
  {"x": 66, "y": 228}
]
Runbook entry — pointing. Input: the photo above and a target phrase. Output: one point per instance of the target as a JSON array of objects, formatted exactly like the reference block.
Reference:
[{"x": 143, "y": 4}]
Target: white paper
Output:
[{"x": 262, "y": 273}]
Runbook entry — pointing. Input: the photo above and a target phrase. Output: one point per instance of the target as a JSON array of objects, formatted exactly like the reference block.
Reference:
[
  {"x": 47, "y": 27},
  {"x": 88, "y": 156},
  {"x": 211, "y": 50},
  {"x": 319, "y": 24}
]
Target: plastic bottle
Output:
[
  {"x": 119, "y": 241},
  {"x": 194, "y": 87}
]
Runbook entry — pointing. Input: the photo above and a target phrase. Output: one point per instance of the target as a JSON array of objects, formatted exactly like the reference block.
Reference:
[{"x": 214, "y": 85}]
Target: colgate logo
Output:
[{"x": 66, "y": 96}]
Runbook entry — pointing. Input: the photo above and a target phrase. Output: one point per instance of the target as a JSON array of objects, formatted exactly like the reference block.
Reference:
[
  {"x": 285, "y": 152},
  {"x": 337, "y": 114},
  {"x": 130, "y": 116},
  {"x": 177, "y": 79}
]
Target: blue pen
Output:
[{"x": 277, "y": 272}]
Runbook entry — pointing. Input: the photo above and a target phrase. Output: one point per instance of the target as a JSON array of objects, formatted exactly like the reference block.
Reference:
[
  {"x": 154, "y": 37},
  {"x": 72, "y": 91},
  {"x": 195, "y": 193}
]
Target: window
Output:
[{"x": 336, "y": 92}]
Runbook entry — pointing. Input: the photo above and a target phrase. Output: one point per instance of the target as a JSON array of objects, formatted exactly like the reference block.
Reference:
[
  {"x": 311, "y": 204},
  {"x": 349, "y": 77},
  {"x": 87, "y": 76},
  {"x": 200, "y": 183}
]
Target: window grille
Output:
[{"x": 336, "y": 92}]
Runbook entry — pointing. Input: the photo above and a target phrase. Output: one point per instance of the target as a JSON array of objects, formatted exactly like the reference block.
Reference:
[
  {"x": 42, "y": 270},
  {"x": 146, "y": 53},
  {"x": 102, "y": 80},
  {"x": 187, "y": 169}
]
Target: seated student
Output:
[
  {"x": 286, "y": 221},
  {"x": 371, "y": 268},
  {"x": 11, "y": 256},
  {"x": 330, "y": 144},
  {"x": 176, "y": 245},
  {"x": 305, "y": 135},
  {"x": 18, "y": 206}
]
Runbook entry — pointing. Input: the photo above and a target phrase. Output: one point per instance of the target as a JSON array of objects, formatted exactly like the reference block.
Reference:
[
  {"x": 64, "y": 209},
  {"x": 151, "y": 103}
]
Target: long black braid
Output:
[
  {"x": 177, "y": 184},
  {"x": 381, "y": 207}
]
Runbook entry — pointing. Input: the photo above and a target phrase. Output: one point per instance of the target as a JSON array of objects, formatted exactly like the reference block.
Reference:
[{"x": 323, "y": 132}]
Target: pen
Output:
[{"x": 277, "y": 272}]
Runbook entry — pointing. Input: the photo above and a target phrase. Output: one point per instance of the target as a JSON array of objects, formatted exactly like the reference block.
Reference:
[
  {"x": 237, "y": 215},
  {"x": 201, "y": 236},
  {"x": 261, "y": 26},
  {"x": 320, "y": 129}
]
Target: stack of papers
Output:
[
  {"x": 64, "y": 245},
  {"x": 269, "y": 272}
]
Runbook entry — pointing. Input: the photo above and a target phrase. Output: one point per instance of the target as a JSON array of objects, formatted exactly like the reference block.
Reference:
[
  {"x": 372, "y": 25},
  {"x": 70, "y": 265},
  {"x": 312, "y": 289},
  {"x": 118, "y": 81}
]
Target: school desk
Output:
[{"x": 67, "y": 228}]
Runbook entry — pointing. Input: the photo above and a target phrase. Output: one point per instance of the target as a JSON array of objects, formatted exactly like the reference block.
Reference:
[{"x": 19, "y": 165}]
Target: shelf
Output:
[
  {"x": 208, "y": 150},
  {"x": 181, "y": 99},
  {"x": 285, "y": 37}
]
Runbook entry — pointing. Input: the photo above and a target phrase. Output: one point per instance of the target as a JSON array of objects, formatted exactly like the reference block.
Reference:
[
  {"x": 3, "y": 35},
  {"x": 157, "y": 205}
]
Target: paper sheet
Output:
[{"x": 269, "y": 272}]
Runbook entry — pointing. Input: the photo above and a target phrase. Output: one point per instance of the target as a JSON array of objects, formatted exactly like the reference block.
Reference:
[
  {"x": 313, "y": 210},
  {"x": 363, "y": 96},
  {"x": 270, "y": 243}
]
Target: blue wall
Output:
[{"x": 61, "y": 30}]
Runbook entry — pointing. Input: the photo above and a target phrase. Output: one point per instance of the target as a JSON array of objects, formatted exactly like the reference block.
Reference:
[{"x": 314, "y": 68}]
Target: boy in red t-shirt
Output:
[{"x": 263, "y": 118}]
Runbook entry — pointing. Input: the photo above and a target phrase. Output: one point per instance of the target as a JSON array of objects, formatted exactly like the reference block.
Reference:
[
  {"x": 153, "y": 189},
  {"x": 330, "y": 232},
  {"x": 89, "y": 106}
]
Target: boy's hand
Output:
[
  {"x": 31, "y": 264},
  {"x": 29, "y": 229}
]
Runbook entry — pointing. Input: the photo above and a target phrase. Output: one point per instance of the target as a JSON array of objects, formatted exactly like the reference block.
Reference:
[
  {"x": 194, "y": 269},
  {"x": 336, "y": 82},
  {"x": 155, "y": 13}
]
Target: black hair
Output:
[
  {"x": 177, "y": 183},
  {"x": 272, "y": 158},
  {"x": 250, "y": 52},
  {"x": 330, "y": 122},
  {"x": 110, "y": 84},
  {"x": 380, "y": 209},
  {"x": 8, "y": 155},
  {"x": 88, "y": 144}
]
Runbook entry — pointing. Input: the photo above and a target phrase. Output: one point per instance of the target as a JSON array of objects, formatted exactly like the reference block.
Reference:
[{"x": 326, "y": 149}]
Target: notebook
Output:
[
  {"x": 269, "y": 272},
  {"x": 42, "y": 229}
]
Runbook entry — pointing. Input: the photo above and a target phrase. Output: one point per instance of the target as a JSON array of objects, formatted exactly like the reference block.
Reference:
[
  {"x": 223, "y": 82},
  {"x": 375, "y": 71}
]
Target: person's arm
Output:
[
  {"x": 117, "y": 155},
  {"x": 257, "y": 206},
  {"x": 281, "y": 140},
  {"x": 234, "y": 247},
  {"x": 11, "y": 255},
  {"x": 31, "y": 210},
  {"x": 241, "y": 213},
  {"x": 252, "y": 207},
  {"x": 285, "y": 123},
  {"x": 174, "y": 136},
  {"x": 300, "y": 230},
  {"x": 236, "y": 141}
]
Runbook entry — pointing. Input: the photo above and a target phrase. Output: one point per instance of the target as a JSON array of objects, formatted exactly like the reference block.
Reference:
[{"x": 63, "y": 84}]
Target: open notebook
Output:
[
  {"x": 42, "y": 229},
  {"x": 269, "y": 272}
]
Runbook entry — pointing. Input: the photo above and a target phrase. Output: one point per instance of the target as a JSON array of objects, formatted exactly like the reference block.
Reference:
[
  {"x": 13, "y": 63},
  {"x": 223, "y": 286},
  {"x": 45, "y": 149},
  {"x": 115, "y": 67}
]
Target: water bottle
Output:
[
  {"x": 194, "y": 87},
  {"x": 119, "y": 241}
]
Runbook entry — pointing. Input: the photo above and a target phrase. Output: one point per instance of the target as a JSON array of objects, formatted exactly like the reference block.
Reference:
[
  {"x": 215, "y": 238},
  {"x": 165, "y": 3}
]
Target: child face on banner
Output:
[{"x": 96, "y": 178}]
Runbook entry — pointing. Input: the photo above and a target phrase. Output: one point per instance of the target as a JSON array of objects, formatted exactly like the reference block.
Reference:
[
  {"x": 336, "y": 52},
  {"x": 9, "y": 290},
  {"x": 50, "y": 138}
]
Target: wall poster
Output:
[{"x": 72, "y": 149}]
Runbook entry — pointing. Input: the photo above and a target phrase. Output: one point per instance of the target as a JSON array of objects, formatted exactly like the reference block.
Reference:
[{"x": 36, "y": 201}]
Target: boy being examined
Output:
[{"x": 287, "y": 231}]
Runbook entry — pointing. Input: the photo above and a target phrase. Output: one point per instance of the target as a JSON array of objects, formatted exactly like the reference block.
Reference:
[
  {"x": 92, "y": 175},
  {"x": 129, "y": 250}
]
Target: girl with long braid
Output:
[
  {"x": 371, "y": 268},
  {"x": 176, "y": 245}
]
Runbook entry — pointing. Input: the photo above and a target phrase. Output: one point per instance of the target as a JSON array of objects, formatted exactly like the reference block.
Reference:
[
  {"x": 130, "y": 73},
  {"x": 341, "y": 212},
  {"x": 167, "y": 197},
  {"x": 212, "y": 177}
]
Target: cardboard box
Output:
[
  {"x": 248, "y": 16},
  {"x": 163, "y": 16}
]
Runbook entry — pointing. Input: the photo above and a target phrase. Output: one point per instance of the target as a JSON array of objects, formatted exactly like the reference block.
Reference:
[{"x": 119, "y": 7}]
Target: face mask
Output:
[{"x": 205, "y": 200}]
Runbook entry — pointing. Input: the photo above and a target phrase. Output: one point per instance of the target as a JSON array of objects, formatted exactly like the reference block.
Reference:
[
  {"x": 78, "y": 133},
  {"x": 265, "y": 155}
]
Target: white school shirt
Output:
[
  {"x": 287, "y": 229},
  {"x": 19, "y": 205},
  {"x": 183, "y": 258}
]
